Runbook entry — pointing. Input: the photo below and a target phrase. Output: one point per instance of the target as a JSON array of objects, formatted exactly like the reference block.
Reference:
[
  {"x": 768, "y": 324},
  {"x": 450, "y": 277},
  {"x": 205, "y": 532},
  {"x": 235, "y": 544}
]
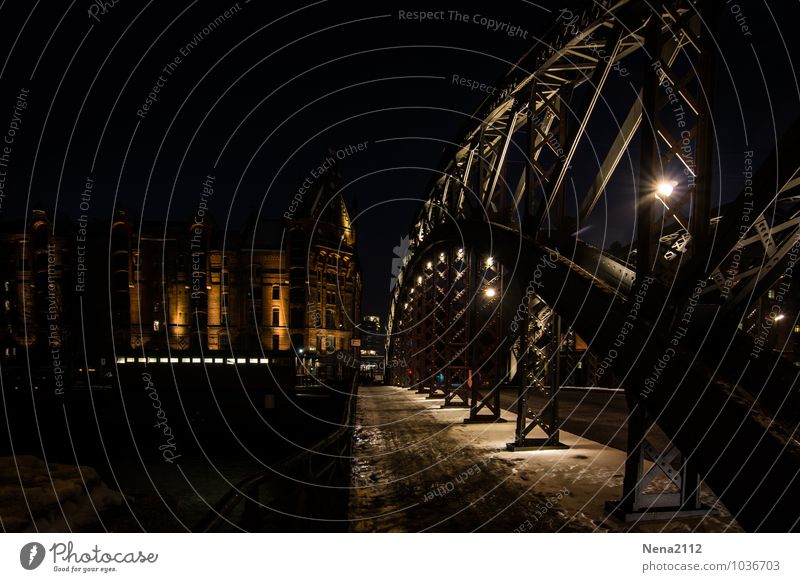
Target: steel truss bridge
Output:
[{"x": 497, "y": 288}]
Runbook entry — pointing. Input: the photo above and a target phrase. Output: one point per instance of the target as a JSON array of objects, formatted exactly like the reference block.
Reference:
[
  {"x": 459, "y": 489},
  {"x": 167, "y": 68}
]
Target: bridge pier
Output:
[
  {"x": 538, "y": 364},
  {"x": 479, "y": 402},
  {"x": 456, "y": 392},
  {"x": 639, "y": 504}
]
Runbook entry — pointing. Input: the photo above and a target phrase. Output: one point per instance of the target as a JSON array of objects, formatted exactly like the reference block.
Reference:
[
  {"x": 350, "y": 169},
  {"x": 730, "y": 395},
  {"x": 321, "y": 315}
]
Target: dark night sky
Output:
[{"x": 260, "y": 100}]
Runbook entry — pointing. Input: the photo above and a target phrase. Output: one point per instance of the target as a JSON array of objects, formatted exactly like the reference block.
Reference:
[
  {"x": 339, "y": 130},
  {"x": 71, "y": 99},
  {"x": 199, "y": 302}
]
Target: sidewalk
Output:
[{"x": 417, "y": 467}]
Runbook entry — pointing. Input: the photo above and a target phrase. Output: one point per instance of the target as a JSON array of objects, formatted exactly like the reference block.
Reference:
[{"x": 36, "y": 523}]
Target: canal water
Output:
[{"x": 172, "y": 444}]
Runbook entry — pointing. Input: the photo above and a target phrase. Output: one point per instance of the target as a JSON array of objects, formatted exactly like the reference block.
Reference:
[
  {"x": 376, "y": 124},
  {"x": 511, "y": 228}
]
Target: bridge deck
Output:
[{"x": 418, "y": 468}]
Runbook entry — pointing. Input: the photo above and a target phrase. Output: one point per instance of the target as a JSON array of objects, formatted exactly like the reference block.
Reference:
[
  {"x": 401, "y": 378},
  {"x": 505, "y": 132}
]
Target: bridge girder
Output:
[{"x": 485, "y": 205}]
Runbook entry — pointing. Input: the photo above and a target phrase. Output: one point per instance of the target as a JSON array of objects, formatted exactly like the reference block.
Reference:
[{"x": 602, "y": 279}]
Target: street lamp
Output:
[
  {"x": 490, "y": 292},
  {"x": 665, "y": 188}
]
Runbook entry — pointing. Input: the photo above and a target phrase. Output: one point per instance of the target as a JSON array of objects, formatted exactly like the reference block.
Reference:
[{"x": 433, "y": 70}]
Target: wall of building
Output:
[{"x": 172, "y": 289}]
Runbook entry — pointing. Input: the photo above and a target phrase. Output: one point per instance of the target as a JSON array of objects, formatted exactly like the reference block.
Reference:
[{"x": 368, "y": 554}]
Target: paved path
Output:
[{"x": 419, "y": 468}]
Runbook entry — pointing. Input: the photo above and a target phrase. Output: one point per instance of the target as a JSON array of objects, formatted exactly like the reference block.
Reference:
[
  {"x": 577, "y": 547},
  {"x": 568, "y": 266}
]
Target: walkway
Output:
[{"x": 417, "y": 467}]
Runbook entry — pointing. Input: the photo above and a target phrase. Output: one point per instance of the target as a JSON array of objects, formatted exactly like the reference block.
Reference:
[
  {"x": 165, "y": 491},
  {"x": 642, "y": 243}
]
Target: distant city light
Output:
[
  {"x": 490, "y": 292},
  {"x": 779, "y": 317}
]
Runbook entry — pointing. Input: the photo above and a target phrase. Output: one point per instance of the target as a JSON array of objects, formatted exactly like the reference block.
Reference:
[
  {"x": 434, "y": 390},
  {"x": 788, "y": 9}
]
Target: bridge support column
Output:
[
  {"x": 532, "y": 379},
  {"x": 458, "y": 291},
  {"x": 456, "y": 391},
  {"x": 676, "y": 494},
  {"x": 489, "y": 401},
  {"x": 488, "y": 342}
]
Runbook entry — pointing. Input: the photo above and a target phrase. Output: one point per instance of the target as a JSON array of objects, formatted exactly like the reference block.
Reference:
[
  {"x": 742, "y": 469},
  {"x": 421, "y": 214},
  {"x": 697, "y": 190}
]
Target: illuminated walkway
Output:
[{"x": 419, "y": 468}]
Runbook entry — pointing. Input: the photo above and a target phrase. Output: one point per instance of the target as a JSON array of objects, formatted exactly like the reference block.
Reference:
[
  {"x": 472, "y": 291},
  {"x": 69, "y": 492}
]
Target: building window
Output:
[
  {"x": 316, "y": 315},
  {"x": 225, "y": 302},
  {"x": 797, "y": 329},
  {"x": 330, "y": 319},
  {"x": 156, "y": 325},
  {"x": 225, "y": 279},
  {"x": 276, "y": 317},
  {"x": 276, "y": 291},
  {"x": 6, "y": 285},
  {"x": 255, "y": 310},
  {"x": 771, "y": 294},
  {"x": 7, "y": 305},
  {"x": 276, "y": 342},
  {"x": 297, "y": 317},
  {"x": 223, "y": 341},
  {"x": 156, "y": 306},
  {"x": 330, "y": 344}
]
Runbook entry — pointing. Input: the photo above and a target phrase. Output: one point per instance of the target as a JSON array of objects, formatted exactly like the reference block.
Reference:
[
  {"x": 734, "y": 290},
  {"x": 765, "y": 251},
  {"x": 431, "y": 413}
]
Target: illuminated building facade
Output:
[
  {"x": 33, "y": 271},
  {"x": 173, "y": 289}
]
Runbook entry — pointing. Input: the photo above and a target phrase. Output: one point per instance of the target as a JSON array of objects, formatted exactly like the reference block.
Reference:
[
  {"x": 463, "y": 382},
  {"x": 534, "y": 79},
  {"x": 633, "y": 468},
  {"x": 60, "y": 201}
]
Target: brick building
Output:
[{"x": 173, "y": 289}]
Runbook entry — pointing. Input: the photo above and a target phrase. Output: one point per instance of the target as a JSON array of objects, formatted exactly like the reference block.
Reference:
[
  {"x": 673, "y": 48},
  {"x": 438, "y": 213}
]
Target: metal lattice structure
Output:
[
  {"x": 537, "y": 351},
  {"x": 459, "y": 267},
  {"x": 503, "y": 194}
]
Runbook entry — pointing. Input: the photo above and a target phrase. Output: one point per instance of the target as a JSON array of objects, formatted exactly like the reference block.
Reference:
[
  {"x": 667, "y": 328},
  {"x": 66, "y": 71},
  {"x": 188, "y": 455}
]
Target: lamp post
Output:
[{"x": 664, "y": 189}]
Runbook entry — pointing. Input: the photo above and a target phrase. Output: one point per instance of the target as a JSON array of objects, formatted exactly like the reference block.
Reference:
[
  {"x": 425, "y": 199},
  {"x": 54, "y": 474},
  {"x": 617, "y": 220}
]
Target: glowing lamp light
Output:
[
  {"x": 490, "y": 292},
  {"x": 665, "y": 189},
  {"x": 779, "y": 317}
]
